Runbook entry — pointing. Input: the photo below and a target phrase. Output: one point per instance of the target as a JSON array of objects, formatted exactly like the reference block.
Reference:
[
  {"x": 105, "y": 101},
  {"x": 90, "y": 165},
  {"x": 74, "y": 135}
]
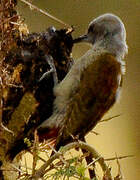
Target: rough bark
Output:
[{"x": 24, "y": 101}]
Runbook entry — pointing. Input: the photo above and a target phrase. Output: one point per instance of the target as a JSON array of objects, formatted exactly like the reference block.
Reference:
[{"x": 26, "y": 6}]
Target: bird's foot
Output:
[{"x": 52, "y": 71}]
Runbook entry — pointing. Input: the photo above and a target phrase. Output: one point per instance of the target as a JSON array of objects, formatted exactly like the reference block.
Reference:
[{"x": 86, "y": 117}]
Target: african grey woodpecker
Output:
[{"x": 91, "y": 86}]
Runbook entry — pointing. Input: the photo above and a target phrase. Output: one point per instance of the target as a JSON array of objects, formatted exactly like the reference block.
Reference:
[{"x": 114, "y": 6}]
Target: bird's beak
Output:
[{"x": 83, "y": 38}]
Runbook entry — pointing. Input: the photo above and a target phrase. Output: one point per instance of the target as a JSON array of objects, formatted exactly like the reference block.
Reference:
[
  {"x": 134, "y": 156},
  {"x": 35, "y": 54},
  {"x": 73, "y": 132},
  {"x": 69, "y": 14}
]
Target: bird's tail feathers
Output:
[{"x": 49, "y": 129}]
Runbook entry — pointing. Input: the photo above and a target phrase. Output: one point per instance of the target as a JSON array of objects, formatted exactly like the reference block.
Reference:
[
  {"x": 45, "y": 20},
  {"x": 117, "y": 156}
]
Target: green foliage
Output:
[
  {"x": 80, "y": 169},
  {"x": 72, "y": 169},
  {"x": 27, "y": 141},
  {"x": 68, "y": 172}
]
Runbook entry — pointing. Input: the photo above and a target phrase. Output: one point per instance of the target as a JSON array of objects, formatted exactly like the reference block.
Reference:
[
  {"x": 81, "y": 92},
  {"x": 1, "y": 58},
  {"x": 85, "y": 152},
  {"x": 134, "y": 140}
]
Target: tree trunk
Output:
[{"x": 25, "y": 101}]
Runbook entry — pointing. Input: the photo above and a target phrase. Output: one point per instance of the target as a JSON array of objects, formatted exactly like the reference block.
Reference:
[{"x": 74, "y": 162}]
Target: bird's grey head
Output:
[{"x": 106, "y": 31}]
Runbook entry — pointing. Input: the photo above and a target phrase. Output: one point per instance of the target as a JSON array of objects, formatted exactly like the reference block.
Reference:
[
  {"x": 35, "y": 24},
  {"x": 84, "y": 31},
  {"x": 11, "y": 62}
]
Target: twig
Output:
[
  {"x": 16, "y": 168},
  {"x": 93, "y": 162},
  {"x": 120, "y": 157},
  {"x": 1, "y": 95},
  {"x": 45, "y": 13},
  {"x": 6, "y": 129},
  {"x": 26, "y": 166},
  {"x": 43, "y": 160},
  {"x": 89, "y": 160},
  {"x": 41, "y": 171},
  {"x": 8, "y": 19},
  {"x": 94, "y": 132},
  {"x": 119, "y": 176},
  {"x": 2, "y": 169},
  {"x": 35, "y": 151},
  {"x": 14, "y": 85},
  {"x": 60, "y": 157},
  {"x": 108, "y": 119}
]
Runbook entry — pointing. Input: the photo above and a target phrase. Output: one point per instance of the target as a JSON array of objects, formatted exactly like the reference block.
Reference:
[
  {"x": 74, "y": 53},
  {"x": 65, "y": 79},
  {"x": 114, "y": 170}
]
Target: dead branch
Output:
[
  {"x": 118, "y": 157},
  {"x": 45, "y": 13},
  {"x": 110, "y": 118},
  {"x": 41, "y": 171}
]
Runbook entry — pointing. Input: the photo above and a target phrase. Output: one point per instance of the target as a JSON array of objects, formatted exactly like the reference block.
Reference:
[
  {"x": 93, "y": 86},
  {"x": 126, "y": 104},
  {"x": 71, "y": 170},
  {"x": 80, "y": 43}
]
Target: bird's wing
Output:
[{"x": 94, "y": 95}]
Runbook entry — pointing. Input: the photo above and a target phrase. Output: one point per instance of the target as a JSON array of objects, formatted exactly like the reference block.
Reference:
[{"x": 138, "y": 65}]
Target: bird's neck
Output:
[{"x": 112, "y": 45}]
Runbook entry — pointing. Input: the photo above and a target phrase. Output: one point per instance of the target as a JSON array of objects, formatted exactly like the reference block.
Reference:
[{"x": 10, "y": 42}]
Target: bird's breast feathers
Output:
[{"x": 97, "y": 71}]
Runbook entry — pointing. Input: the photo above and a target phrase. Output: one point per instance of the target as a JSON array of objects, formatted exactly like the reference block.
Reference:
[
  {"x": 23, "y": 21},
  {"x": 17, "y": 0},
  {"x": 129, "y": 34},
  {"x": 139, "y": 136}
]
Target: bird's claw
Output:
[{"x": 52, "y": 71}]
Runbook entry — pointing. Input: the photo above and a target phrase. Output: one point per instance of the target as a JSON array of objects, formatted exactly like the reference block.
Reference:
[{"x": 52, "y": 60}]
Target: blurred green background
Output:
[{"x": 122, "y": 134}]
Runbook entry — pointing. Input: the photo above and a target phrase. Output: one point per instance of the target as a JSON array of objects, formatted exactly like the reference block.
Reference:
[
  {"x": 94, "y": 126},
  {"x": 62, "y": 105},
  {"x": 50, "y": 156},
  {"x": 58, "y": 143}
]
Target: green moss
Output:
[
  {"x": 27, "y": 141},
  {"x": 22, "y": 113},
  {"x": 19, "y": 118}
]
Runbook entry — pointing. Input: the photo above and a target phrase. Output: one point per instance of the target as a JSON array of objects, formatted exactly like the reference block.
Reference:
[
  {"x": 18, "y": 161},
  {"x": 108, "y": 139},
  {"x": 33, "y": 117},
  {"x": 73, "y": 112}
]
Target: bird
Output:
[{"x": 93, "y": 84}]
